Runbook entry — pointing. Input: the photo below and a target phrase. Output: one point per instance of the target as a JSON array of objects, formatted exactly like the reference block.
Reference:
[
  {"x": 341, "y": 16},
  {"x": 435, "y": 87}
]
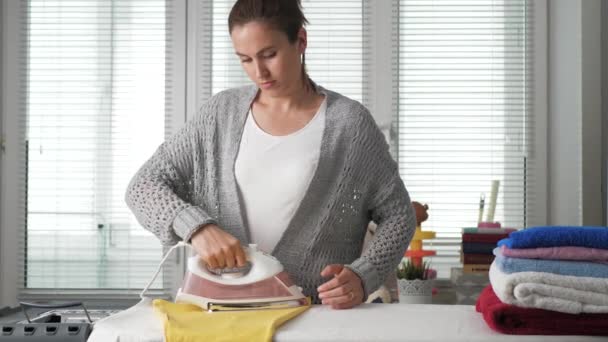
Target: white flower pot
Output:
[{"x": 415, "y": 291}]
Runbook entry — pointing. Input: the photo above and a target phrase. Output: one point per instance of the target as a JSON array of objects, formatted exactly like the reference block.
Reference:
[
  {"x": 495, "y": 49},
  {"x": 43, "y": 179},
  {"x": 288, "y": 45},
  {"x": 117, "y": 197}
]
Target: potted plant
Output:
[{"x": 415, "y": 282}]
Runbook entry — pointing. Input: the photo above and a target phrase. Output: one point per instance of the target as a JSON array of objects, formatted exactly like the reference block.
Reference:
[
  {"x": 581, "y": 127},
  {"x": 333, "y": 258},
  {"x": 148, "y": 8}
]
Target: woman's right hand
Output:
[{"x": 218, "y": 248}]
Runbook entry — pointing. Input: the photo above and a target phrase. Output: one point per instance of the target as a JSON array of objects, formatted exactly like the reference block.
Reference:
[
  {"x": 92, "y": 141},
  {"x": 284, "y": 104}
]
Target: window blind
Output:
[
  {"x": 335, "y": 56},
  {"x": 97, "y": 76},
  {"x": 465, "y": 113}
]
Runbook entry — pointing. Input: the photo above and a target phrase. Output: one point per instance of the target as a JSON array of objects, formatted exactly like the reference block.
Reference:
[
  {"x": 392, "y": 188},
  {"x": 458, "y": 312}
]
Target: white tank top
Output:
[{"x": 273, "y": 174}]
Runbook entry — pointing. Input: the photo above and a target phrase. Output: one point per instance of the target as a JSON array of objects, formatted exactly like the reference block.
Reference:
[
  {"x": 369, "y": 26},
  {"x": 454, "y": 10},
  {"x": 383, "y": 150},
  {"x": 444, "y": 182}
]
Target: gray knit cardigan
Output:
[{"x": 189, "y": 182}]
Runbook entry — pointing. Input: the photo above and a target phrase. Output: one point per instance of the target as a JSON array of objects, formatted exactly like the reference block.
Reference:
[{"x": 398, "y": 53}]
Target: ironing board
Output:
[
  {"x": 381, "y": 323},
  {"x": 402, "y": 322}
]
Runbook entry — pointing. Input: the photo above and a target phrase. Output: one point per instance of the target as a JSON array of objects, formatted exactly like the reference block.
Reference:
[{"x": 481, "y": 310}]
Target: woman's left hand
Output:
[{"x": 344, "y": 290}]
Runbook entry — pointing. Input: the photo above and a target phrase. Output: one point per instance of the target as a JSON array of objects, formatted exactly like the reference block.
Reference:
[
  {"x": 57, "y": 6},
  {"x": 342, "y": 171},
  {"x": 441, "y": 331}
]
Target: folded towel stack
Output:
[{"x": 544, "y": 275}]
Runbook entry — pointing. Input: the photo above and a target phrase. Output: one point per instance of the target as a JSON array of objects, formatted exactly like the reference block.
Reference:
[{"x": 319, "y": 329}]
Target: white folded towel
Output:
[{"x": 550, "y": 291}]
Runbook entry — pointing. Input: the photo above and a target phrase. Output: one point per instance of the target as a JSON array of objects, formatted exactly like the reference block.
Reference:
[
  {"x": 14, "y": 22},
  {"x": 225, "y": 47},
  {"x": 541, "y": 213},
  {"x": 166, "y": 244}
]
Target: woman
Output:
[{"x": 296, "y": 168}]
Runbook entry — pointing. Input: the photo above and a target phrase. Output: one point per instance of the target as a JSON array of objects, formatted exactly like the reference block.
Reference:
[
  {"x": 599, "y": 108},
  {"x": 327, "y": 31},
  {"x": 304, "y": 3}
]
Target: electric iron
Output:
[{"x": 260, "y": 284}]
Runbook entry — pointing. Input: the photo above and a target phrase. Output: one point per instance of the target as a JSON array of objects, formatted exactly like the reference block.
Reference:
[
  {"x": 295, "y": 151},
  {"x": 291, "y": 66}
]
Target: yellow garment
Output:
[{"x": 189, "y": 323}]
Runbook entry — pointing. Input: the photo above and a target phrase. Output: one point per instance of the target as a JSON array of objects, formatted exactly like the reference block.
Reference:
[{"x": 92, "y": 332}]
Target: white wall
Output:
[
  {"x": 1, "y": 134},
  {"x": 9, "y": 218},
  {"x": 591, "y": 49},
  {"x": 574, "y": 108},
  {"x": 605, "y": 105}
]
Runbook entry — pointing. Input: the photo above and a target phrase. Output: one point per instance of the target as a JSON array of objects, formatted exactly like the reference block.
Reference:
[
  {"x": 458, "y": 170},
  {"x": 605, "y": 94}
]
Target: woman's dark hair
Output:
[{"x": 282, "y": 15}]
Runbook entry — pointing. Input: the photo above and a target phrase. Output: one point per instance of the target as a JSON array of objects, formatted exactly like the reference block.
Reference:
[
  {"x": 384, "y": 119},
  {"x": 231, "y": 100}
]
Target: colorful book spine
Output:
[
  {"x": 484, "y": 259},
  {"x": 474, "y": 230},
  {"x": 484, "y": 238},
  {"x": 475, "y": 268},
  {"x": 478, "y": 248}
]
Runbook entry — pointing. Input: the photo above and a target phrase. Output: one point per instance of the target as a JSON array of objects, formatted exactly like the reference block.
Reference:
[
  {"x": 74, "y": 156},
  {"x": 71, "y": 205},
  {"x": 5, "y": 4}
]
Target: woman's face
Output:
[{"x": 268, "y": 58}]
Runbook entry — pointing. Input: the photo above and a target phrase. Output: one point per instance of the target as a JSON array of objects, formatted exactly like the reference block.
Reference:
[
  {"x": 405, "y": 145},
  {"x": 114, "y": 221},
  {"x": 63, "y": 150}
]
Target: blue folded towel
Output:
[
  {"x": 555, "y": 236},
  {"x": 563, "y": 267}
]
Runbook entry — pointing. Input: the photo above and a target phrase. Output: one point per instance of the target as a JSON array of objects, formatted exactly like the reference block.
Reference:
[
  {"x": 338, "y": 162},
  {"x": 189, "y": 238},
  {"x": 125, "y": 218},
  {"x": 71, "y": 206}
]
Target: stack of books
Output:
[{"x": 477, "y": 246}]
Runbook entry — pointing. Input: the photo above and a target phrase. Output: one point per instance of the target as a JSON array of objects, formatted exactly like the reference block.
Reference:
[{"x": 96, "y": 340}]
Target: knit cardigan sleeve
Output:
[
  {"x": 389, "y": 206},
  {"x": 159, "y": 193}
]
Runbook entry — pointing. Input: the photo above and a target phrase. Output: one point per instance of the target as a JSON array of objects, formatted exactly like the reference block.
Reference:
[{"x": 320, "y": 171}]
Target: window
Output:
[
  {"x": 456, "y": 78},
  {"x": 465, "y": 113},
  {"x": 98, "y": 84}
]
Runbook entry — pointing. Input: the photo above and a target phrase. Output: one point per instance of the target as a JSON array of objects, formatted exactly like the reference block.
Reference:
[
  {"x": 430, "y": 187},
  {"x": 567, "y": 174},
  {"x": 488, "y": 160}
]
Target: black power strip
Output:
[{"x": 45, "y": 332}]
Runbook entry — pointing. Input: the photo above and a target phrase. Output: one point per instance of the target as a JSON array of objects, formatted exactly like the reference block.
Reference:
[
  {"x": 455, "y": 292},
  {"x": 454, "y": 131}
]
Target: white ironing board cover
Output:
[{"x": 368, "y": 322}]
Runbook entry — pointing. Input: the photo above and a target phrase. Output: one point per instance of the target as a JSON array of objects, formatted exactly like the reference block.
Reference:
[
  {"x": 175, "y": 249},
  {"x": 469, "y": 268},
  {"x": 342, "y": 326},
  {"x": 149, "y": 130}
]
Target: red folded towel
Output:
[{"x": 510, "y": 319}]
